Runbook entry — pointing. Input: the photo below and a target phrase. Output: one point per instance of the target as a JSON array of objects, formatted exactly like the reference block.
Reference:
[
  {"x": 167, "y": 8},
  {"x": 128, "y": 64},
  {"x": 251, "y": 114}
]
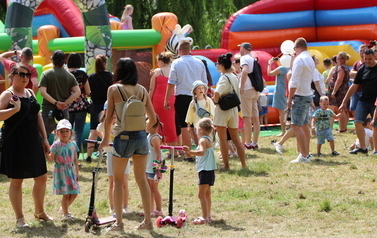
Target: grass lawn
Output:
[{"x": 330, "y": 197}]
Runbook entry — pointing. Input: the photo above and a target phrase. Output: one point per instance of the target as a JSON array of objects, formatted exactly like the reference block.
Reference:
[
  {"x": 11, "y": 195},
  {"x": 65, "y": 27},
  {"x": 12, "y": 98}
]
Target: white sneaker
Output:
[
  {"x": 111, "y": 211},
  {"x": 278, "y": 148},
  {"x": 126, "y": 210},
  {"x": 301, "y": 159}
]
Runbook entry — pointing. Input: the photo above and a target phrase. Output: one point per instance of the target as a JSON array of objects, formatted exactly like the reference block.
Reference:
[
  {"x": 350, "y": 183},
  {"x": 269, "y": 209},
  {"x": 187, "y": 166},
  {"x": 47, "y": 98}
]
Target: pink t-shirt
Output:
[{"x": 8, "y": 64}]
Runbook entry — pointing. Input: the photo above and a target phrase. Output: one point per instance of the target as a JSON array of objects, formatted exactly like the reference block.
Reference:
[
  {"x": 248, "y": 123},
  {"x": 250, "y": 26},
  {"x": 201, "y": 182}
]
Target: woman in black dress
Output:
[{"x": 24, "y": 142}]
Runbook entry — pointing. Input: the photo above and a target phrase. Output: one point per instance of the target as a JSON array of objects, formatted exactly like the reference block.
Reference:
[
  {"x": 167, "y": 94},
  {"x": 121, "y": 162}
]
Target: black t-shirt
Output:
[
  {"x": 367, "y": 77},
  {"x": 99, "y": 83}
]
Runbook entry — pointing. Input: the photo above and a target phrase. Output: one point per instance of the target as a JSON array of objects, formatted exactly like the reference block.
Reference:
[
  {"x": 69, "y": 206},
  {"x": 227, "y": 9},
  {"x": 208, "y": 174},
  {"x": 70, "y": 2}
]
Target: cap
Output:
[
  {"x": 64, "y": 124},
  {"x": 246, "y": 45},
  {"x": 198, "y": 83}
]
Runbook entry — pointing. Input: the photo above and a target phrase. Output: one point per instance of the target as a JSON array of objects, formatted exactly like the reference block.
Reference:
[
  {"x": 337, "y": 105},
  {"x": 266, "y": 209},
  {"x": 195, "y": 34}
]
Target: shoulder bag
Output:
[{"x": 229, "y": 100}]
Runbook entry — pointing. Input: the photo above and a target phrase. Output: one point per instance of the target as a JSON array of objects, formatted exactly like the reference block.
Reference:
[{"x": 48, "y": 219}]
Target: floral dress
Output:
[
  {"x": 342, "y": 91},
  {"x": 65, "y": 179}
]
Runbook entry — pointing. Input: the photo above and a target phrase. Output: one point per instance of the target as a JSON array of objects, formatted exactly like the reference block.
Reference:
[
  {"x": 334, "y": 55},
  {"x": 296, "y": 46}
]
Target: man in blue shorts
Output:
[
  {"x": 300, "y": 98},
  {"x": 366, "y": 77}
]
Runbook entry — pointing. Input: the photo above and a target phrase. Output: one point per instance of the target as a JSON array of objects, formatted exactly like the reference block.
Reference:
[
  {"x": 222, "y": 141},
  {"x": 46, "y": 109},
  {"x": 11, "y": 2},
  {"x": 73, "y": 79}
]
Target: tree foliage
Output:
[{"x": 207, "y": 17}]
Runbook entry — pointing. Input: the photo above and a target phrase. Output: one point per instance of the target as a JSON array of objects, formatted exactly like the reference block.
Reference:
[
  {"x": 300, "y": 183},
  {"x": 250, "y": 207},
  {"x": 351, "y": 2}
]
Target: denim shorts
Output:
[
  {"x": 362, "y": 111},
  {"x": 300, "y": 110},
  {"x": 355, "y": 100},
  {"x": 324, "y": 135},
  {"x": 264, "y": 111},
  {"x": 128, "y": 143},
  {"x": 151, "y": 176},
  {"x": 206, "y": 177}
]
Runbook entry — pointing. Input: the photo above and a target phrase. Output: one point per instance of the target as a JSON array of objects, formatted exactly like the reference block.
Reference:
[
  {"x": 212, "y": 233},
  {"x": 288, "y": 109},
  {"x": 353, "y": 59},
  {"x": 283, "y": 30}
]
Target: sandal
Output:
[
  {"x": 43, "y": 216},
  {"x": 20, "y": 223},
  {"x": 199, "y": 221},
  {"x": 116, "y": 227},
  {"x": 145, "y": 226},
  {"x": 156, "y": 213}
]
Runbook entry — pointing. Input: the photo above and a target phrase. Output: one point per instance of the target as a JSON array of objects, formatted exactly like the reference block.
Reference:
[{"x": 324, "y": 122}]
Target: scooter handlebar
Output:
[{"x": 171, "y": 147}]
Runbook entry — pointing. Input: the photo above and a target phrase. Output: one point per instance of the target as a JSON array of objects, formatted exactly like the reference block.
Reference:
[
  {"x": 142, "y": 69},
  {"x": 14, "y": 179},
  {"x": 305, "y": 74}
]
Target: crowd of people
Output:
[{"x": 187, "y": 118}]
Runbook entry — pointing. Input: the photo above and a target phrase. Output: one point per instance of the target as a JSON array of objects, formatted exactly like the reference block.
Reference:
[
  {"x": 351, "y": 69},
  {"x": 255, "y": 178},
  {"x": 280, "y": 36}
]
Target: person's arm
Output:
[
  {"x": 87, "y": 88},
  {"x": 351, "y": 91},
  {"x": 273, "y": 72},
  {"x": 152, "y": 119},
  {"x": 169, "y": 92},
  {"x": 156, "y": 142},
  {"x": 198, "y": 152},
  {"x": 374, "y": 117},
  {"x": 129, "y": 24},
  {"x": 338, "y": 82},
  {"x": 244, "y": 76},
  {"x": 5, "y": 99},
  {"x": 152, "y": 84},
  {"x": 76, "y": 162},
  {"x": 318, "y": 88},
  {"x": 42, "y": 132},
  {"x": 75, "y": 94},
  {"x": 49, "y": 156},
  {"x": 4, "y": 56},
  {"x": 108, "y": 123},
  {"x": 329, "y": 76}
]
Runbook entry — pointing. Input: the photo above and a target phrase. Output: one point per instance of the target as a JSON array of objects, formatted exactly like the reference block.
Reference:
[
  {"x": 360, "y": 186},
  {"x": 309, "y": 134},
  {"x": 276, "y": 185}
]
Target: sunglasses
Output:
[
  {"x": 22, "y": 74},
  {"x": 368, "y": 52}
]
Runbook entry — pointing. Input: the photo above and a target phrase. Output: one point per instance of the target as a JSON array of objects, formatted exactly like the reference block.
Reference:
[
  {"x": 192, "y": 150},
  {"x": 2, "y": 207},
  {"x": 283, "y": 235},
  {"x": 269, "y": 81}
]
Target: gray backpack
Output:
[{"x": 133, "y": 113}]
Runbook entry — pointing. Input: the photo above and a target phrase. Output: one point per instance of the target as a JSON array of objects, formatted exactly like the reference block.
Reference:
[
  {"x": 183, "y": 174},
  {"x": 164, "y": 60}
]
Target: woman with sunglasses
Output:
[{"x": 24, "y": 141}]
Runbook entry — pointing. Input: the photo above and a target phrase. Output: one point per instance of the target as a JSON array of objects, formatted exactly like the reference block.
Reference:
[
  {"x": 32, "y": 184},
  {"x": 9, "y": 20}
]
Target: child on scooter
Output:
[
  {"x": 205, "y": 166},
  {"x": 66, "y": 170},
  {"x": 155, "y": 168}
]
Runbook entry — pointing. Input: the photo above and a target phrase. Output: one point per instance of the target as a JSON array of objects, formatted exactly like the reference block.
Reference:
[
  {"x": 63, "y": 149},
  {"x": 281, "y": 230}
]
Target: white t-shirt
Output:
[
  {"x": 249, "y": 61},
  {"x": 263, "y": 98},
  {"x": 302, "y": 74}
]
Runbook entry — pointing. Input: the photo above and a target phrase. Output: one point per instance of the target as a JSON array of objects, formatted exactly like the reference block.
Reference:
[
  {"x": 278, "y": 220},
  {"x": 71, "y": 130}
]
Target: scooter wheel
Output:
[
  {"x": 179, "y": 222},
  {"x": 87, "y": 226},
  {"x": 159, "y": 222}
]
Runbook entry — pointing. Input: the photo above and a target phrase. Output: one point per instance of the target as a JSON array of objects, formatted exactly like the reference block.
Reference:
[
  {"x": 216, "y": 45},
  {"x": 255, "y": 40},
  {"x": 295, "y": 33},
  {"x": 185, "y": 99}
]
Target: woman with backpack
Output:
[{"x": 124, "y": 98}]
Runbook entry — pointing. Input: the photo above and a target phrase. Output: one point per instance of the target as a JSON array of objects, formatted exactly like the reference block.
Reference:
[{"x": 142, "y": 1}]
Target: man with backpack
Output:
[{"x": 249, "y": 98}]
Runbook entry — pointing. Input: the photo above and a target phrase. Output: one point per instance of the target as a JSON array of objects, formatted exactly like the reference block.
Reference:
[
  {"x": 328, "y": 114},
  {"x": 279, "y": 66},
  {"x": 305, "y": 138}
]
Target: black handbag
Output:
[{"x": 230, "y": 100}]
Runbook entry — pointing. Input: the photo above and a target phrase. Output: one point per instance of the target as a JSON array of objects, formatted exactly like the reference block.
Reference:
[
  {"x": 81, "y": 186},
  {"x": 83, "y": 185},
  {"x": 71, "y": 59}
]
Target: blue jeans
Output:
[
  {"x": 77, "y": 119},
  {"x": 354, "y": 100},
  {"x": 300, "y": 110},
  {"x": 362, "y": 111},
  {"x": 128, "y": 143}
]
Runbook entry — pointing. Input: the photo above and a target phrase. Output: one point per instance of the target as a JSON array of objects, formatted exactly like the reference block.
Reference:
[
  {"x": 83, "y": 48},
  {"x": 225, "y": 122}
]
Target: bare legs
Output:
[
  {"x": 205, "y": 200},
  {"x": 119, "y": 165},
  {"x": 224, "y": 145},
  {"x": 39, "y": 189}
]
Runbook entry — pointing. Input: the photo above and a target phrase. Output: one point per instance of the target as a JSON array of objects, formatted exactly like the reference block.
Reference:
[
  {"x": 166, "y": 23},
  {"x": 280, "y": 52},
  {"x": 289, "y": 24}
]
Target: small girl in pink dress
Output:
[
  {"x": 126, "y": 18},
  {"x": 66, "y": 170}
]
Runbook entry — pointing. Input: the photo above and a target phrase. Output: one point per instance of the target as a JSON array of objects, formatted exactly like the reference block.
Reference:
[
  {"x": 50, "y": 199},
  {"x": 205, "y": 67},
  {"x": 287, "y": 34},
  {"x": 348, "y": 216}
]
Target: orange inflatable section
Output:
[
  {"x": 45, "y": 34},
  {"x": 115, "y": 25},
  {"x": 164, "y": 23},
  {"x": 328, "y": 33},
  {"x": 267, "y": 39}
]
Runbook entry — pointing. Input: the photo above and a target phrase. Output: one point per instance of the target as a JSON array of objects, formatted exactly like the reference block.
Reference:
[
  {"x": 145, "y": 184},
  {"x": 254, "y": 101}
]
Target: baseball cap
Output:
[
  {"x": 64, "y": 124},
  {"x": 246, "y": 45},
  {"x": 198, "y": 83}
]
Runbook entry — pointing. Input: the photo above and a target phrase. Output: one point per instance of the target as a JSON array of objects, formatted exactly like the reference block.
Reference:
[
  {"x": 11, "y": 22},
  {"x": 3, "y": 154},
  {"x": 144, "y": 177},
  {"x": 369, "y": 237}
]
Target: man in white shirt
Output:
[
  {"x": 184, "y": 71},
  {"x": 249, "y": 98},
  {"x": 300, "y": 98}
]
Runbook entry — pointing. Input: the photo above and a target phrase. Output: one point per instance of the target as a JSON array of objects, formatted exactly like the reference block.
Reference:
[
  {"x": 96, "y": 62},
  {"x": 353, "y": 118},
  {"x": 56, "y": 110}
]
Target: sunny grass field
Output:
[{"x": 330, "y": 197}]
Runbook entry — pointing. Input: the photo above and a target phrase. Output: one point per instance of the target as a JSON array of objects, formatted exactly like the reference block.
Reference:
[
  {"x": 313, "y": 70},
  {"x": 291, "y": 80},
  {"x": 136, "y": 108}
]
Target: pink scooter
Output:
[{"x": 182, "y": 216}]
